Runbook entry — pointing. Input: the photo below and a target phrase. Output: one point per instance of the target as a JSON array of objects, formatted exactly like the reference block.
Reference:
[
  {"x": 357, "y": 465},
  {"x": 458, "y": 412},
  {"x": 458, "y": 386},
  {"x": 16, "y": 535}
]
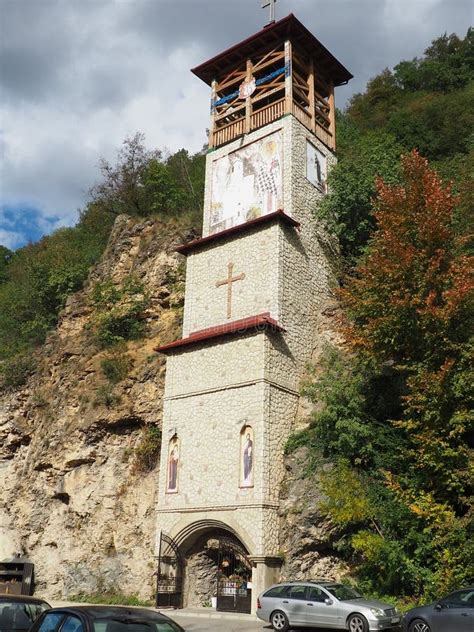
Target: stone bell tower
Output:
[{"x": 255, "y": 282}]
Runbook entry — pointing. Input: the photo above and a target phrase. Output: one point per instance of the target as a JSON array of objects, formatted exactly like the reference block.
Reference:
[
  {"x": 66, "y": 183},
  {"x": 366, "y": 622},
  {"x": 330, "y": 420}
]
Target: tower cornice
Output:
[
  {"x": 261, "y": 322},
  {"x": 235, "y": 231}
]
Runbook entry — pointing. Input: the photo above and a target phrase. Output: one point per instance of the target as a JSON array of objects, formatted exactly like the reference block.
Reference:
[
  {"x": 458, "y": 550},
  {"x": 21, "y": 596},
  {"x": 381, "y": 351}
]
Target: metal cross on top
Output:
[
  {"x": 271, "y": 4},
  {"x": 230, "y": 279}
]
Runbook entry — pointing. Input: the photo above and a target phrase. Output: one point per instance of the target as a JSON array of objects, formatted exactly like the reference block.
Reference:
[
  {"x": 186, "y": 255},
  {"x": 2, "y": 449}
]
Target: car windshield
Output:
[
  {"x": 17, "y": 615},
  {"x": 138, "y": 625},
  {"x": 343, "y": 592}
]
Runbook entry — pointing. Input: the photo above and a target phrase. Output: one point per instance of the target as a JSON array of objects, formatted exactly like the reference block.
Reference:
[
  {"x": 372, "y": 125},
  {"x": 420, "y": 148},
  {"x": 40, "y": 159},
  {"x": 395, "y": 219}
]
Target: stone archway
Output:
[{"x": 207, "y": 568}]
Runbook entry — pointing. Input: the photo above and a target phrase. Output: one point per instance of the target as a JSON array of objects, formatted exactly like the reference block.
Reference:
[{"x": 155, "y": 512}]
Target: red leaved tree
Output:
[{"x": 409, "y": 304}]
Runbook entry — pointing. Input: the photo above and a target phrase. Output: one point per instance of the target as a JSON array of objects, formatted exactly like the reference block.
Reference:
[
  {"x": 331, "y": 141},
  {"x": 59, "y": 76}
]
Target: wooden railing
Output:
[
  {"x": 301, "y": 115},
  {"x": 227, "y": 133},
  {"x": 267, "y": 114},
  {"x": 321, "y": 132}
]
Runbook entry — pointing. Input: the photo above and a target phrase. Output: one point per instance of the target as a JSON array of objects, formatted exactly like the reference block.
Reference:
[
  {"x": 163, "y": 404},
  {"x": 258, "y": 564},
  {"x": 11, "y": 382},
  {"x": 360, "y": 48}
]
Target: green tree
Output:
[
  {"x": 347, "y": 209},
  {"x": 395, "y": 416},
  {"x": 5, "y": 256}
]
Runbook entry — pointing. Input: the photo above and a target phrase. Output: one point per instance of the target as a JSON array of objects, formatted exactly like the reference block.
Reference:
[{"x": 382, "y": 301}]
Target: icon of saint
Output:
[
  {"x": 173, "y": 462},
  {"x": 247, "y": 461}
]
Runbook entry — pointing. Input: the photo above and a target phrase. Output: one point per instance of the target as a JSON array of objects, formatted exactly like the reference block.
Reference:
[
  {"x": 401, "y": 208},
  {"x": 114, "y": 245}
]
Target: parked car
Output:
[
  {"x": 18, "y": 612},
  {"x": 324, "y": 604},
  {"x": 104, "y": 619},
  {"x": 454, "y": 613}
]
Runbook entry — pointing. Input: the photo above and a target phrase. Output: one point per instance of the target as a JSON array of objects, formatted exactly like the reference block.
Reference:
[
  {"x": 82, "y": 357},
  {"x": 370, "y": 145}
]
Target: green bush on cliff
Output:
[
  {"x": 118, "y": 311},
  {"x": 147, "y": 451}
]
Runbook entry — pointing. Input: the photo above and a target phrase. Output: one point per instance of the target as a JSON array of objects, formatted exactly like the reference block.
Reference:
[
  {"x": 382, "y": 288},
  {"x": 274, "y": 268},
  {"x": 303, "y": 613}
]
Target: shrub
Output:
[
  {"x": 116, "y": 366},
  {"x": 113, "y": 598},
  {"x": 15, "y": 371},
  {"x": 118, "y": 311},
  {"x": 105, "y": 396},
  {"x": 148, "y": 449}
]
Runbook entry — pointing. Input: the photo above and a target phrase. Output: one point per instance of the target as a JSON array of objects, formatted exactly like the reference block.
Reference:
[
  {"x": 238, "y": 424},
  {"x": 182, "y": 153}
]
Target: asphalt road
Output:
[
  {"x": 208, "y": 624},
  {"x": 201, "y": 624}
]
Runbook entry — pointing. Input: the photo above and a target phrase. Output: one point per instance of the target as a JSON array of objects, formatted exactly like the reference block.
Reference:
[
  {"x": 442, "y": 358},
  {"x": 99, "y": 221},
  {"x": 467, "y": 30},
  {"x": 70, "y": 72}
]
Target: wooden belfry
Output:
[{"x": 282, "y": 69}]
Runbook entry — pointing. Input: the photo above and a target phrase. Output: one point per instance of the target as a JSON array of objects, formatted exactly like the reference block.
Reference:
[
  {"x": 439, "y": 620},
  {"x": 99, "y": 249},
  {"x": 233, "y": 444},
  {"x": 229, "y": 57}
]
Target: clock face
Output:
[{"x": 247, "y": 183}]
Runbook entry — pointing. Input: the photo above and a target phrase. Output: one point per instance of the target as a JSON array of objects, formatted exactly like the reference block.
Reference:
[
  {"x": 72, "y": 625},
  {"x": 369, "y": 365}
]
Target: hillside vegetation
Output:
[
  {"x": 395, "y": 403},
  {"x": 36, "y": 280}
]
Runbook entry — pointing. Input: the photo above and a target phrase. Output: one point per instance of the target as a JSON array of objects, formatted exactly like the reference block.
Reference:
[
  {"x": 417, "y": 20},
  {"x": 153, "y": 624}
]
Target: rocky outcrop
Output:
[
  {"x": 308, "y": 539},
  {"x": 307, "y": 536},
  {"x": 74, "y": 496}
]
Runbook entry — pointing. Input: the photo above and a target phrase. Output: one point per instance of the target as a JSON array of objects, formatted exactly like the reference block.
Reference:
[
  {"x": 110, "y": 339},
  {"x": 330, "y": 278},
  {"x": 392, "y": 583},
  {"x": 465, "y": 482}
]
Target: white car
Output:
[{"x": 324, "y": 604}]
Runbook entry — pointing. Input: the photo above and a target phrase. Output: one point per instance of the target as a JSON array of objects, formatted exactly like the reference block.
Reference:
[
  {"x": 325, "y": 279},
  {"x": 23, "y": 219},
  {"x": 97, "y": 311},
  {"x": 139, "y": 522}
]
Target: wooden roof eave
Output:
[{"x": 289, "y": 27}]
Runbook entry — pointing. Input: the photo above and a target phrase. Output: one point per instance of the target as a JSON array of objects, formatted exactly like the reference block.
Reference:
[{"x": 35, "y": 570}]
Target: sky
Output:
[{"x": 79, "y": 76}]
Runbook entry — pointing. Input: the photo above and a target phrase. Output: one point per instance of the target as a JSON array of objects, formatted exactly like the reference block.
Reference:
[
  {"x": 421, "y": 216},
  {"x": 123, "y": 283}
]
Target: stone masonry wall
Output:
[
  {"x": 255, "y": 254},
  {"x": 216, "y": 388}
]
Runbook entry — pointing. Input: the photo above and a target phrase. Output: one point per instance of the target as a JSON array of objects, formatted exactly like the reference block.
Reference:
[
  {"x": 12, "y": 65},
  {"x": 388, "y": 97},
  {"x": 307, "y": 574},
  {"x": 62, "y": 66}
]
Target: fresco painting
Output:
[
  {"x": 173, "y": 462},
  {"x": 247, "y": 183},
  {"x": 316, "y": 166}
]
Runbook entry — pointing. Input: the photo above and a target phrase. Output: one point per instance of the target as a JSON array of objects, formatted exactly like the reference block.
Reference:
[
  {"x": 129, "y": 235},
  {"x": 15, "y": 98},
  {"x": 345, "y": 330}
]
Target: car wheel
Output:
[
  {"x": 419, "y": 626},
  {"x": 357, "y": 623},
  {"x": 279, "y": 621}
]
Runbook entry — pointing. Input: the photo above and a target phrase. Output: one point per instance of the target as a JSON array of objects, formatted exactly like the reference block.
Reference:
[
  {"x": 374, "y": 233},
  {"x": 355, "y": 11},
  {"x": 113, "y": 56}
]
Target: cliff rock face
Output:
[
  {"x": 78, "y": 478},
  {"x": 307, "y": 536},
  {"x": 75, "y": 497}
]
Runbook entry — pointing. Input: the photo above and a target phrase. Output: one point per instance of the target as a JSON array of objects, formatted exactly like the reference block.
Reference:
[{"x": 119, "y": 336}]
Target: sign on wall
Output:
[
  {"x": 315, "y": 166},
  {"x": 247, "y": 183}
]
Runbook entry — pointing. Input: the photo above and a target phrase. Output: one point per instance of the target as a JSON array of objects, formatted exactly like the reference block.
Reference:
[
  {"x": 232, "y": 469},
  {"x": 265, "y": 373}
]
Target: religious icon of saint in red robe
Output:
[{"x": 173, "y": 461}]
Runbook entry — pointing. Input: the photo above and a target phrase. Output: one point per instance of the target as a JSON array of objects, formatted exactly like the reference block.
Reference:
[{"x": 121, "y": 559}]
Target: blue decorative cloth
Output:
[{"x": 286, "y": 69}]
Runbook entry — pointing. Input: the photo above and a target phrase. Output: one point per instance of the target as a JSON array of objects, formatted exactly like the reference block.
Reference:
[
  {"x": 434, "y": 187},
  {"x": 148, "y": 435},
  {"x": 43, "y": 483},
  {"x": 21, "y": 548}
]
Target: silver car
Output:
[{"x": 324, "y": 604}]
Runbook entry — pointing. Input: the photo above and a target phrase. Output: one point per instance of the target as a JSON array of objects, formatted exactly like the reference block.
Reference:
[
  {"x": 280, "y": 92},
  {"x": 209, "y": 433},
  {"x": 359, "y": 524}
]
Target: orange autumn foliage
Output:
[{"x": 411, "y": 290}]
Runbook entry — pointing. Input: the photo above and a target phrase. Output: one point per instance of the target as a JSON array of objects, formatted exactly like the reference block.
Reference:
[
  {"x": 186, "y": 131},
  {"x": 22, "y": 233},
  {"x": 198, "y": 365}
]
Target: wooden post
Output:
[
  {"x": 248, "y": 100},
  {"x": 288, "y": 79},
  {"x": 312, "y": 104},
  {"x": 213, "y": 113},
  {"x": 332, "y": 113}
]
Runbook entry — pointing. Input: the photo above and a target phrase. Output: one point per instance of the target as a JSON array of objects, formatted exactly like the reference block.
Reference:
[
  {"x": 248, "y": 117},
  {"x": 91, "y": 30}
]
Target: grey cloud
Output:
[{"x": 79, "y": 75}]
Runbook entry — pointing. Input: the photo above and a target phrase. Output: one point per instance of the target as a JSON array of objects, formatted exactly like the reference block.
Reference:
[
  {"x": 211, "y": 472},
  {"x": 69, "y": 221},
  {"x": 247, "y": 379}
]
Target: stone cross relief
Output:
[{"x": 229, "y": 281}]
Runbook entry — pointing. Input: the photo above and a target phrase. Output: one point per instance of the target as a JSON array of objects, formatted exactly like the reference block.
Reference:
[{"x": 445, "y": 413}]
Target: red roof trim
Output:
[
  {"x": 263, "y": 322},
  {"x": 287, "y": 27},
  {"x": 235, "y": 230}
]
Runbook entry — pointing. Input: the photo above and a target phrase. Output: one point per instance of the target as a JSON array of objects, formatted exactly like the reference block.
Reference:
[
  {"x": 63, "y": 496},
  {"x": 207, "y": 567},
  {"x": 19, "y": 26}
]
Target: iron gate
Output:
[
  {"x": 234, "y": 574},
  {"x": 169, "y": 575}
]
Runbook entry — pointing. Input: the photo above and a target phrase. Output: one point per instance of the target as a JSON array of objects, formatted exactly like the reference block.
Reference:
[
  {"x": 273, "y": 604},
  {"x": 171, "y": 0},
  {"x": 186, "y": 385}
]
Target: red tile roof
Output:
[
  {"x": 235, "y": 230},
  {"x": 261, "y": 322}
]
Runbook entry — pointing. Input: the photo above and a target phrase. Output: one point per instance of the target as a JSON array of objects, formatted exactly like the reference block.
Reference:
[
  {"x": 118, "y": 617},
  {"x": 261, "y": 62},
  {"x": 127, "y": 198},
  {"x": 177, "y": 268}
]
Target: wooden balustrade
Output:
[
  {"x": 322, "y": 133},
  {"x": 266, "y": 115},
  {"x": 227, "y": 133}
]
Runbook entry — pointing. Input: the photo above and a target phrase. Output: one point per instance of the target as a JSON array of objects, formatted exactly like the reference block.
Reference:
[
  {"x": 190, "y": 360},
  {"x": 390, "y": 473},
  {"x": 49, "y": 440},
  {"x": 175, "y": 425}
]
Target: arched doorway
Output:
[{"x": 204, "y": 565}]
